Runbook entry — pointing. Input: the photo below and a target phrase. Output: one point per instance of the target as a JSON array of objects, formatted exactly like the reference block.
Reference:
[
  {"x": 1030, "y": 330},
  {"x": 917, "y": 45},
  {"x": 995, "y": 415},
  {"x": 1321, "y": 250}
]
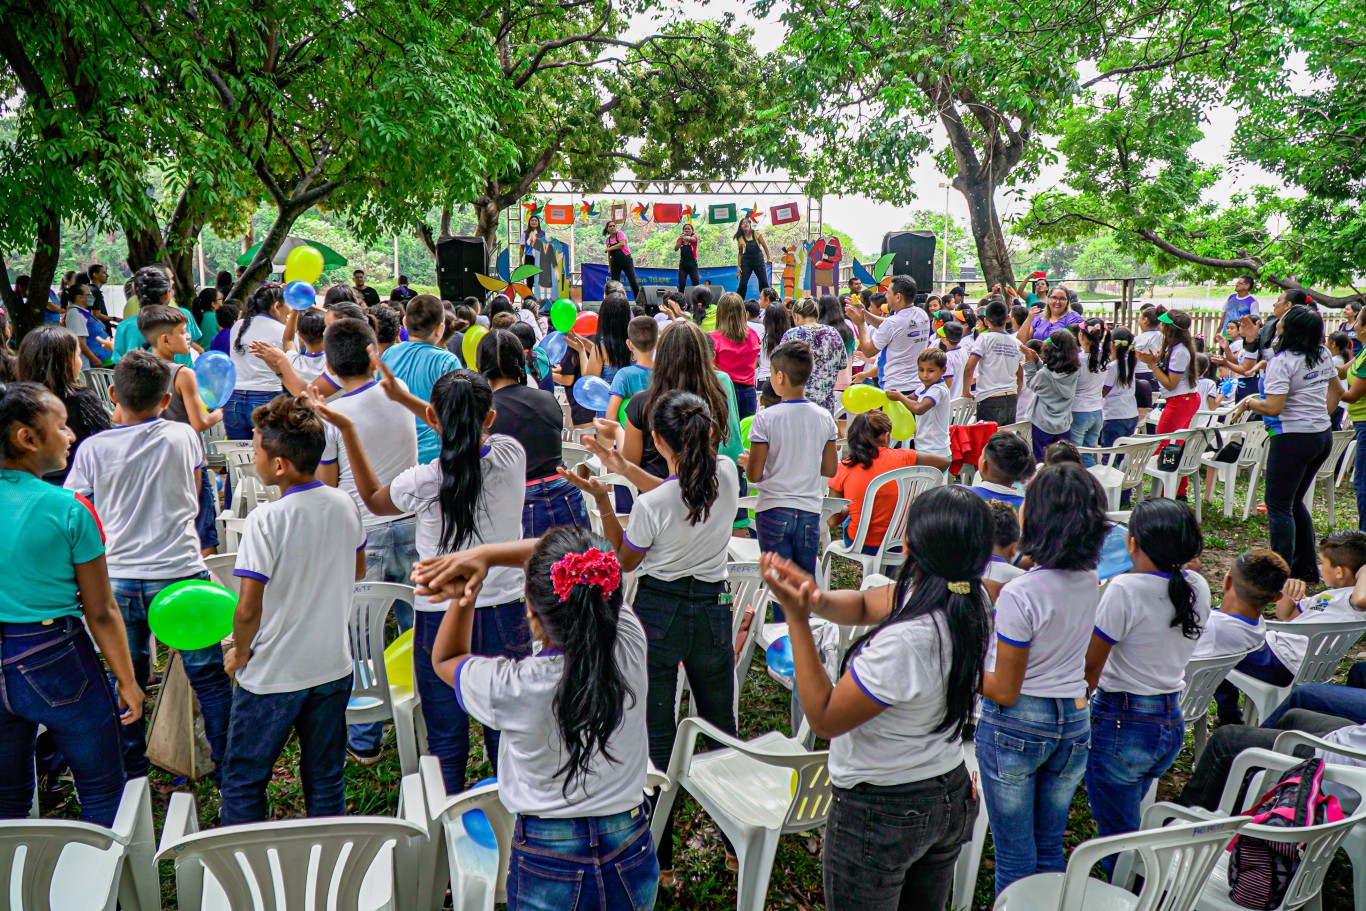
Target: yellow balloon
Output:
[
  {"x": 398, "y": 660},
  {"x": 303, "y": 264},
  {"x": 470, "y": 347},
  {"x": 903, "y": 422},
  {"x": 861, "y": 397}
]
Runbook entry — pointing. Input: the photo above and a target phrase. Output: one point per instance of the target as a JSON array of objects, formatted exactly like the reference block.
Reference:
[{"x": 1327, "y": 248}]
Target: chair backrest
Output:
[
  {"x": 98, "y": 380},
  {"x": 1341, "y": 438},
  {"x": 1022, "y": 429},
  {"x": 746, "y": 590},
  {"x": 573, "y": 455},
  {"x": 962, "y": 411},
  {"x": 220, "y": 567},
  {"x": 1203, "y": 676},
  {"x": 446, "y": 811},
  {"x": 295, "y": 865},
  {"x": 1255, "y": 439},
  {"x": 1328, "y": 642},
  {"x": 910, "y": 483},
  {"x": 811, "y": 794},
  {"x": 1177, "y": 862},
  {"x": 1136, "y": 451},
  {"x": 1195, "y": 441},
  {"x": 42, "y": 842},
  {"x": 370, "y": 605}
]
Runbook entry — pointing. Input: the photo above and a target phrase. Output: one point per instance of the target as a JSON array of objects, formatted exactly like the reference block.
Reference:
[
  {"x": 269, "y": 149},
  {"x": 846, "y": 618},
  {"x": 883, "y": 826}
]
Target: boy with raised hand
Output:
[
  {"x": 166, "y": 331},
  {"x": 143, "y": 475},
  {"x": 421, "y": 361},
  {"x": 387, "y": 431},
  {"x": 298, "y": 560}
]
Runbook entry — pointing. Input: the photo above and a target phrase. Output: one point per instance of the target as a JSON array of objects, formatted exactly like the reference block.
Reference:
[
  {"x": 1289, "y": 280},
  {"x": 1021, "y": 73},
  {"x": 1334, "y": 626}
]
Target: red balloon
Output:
[{"x": 586, "y": 323}]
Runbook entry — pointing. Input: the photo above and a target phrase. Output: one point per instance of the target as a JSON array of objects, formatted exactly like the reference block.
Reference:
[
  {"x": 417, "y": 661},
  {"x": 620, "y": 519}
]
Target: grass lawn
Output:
[{"x": 704, "y": 881}]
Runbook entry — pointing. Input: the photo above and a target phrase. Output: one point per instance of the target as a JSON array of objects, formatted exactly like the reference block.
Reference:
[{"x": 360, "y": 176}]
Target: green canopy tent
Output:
[{"x": 331, "y": 258}]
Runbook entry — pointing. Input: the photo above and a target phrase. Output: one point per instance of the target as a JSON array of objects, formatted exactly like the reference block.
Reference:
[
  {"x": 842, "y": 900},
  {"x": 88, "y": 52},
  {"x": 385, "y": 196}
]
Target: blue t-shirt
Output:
[
  {"x": 630, "y": 380},
  {"x": 420, "y": 365},
  {"x": 52, "y": 316},
  {"x": 48, "y": 531},
  {"x": 1235, "y": 308},
  {"x": 222, "y": 342}
]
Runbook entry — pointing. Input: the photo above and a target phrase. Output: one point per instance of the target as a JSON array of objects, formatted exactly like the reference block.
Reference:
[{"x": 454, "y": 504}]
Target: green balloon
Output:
[
  {"x": 192, "y": 614},
  {"x": 562, "y": 314},
  {"x": 745, "y": 426}
]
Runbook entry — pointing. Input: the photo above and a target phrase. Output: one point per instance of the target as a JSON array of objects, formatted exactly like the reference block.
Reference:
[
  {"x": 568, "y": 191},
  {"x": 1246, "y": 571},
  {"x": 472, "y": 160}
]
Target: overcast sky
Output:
[{"x": 866, "y": 220}]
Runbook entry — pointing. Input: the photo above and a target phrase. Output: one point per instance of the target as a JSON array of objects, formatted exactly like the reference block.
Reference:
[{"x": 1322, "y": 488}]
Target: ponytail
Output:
[
  {"x": 500, "y": 356},
  {"x": 21, "y": 403},
  {"x": 261, "y": 302},
  {"x": 948, "y": 542},
  {"x": 1167, "y": 533},
  {"x": 683, "y": 422},
  {"x": 462, "y": 400},
  {"x": 864, "y": 432},
  {"x": 573, "y": 586},
  {"x": 1126, "y": 356}
]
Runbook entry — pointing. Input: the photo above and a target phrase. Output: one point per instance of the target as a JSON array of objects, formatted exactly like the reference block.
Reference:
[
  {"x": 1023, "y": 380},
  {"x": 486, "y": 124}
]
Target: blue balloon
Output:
[
  {"x": 779, "y": 657},
  {"x": 1114, "y": 554},
  {"x": 477, "y": 825},
  {"x": 592, "y": 392},
  {"x": 300, "y": 295},
  {"x": 1226, "y": 387},
  {"x": 554, "y": 346},
  {"x": 217, "y": 376}
]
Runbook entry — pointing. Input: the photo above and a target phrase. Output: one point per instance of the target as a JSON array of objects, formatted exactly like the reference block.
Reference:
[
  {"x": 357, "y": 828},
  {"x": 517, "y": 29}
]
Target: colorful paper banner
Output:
[
  {"x": 722, "y": 213},
  {"x": 785, "y": 213}
]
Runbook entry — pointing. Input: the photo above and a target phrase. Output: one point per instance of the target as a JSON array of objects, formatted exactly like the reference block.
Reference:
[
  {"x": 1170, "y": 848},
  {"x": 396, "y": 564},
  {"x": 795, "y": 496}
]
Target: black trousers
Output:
[
  {"x": 1291, "y": 463},
  {"x": 618, "y": 262},
  {"x": 753, "y": 264},
  {"x": 687, "y": 268}
]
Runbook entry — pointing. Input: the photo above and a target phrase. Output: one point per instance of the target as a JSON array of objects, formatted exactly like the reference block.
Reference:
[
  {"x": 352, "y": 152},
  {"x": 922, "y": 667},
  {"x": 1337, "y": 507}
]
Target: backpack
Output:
[{"x": 1259, "y": 871}]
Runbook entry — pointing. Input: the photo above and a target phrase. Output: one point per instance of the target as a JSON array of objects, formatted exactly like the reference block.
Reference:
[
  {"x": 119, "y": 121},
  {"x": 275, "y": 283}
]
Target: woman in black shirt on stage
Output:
[
  {"x": 754, "y": 256},
  {"x": 686, "y": 245}
]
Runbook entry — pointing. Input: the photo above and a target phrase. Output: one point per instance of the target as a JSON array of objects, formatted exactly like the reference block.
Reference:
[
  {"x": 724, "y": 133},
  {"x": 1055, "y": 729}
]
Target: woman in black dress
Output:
[
  {"x": 754, "y": 256},
  {"x": 686, "y": 245}
]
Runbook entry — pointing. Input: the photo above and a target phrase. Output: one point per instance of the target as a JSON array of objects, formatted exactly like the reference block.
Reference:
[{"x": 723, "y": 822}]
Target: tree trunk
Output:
[
  {"x": 446, "y": 222},
  {"x": 46, "y": 250},
  {"x": 486, "y": 212},
  {"x": 992, "y": 252},
  {"x": 259, "y": 268}
]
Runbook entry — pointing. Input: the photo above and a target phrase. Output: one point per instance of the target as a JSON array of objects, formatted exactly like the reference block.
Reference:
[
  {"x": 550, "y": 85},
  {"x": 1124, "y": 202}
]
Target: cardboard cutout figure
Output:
[{"x": 825, "y": 257}]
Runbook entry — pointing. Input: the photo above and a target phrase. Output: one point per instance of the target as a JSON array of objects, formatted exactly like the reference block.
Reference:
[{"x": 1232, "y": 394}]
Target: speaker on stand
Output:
[
  {"x": 458, "y": 260},
  {"x": 913, "y": 253}
]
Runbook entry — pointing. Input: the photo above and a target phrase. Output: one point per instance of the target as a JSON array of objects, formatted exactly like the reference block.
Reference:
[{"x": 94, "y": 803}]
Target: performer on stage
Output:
[
  {"x": 619, "y": 257},
  {"x": 532, "y": 239},
  {"x": 686, "y": 245},
  {"x": 754, "y": 255}
]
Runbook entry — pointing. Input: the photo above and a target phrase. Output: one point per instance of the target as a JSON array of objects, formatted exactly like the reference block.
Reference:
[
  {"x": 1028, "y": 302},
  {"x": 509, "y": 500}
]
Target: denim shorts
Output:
[{"x": 602, "y": 863}]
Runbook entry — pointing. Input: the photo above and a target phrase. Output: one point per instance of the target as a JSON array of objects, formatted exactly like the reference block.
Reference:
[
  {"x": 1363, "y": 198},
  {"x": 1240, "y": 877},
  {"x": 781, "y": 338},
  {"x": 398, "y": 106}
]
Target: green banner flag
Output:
[{"x": 722, "y": 214}]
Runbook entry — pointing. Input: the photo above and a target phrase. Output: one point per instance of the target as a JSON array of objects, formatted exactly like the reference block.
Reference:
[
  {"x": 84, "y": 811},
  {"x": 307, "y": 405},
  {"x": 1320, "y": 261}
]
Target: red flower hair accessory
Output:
[{"x": 593, "y": 567}]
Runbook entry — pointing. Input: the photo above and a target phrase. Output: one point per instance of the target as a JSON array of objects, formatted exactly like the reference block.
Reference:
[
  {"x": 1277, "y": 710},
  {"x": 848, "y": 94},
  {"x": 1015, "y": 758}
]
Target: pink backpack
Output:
[{"x": 1259, "y": 870}]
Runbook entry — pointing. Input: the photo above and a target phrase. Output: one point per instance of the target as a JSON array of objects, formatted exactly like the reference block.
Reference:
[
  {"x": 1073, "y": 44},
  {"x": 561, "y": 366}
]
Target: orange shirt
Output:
[{"x": 851, "y": 482}]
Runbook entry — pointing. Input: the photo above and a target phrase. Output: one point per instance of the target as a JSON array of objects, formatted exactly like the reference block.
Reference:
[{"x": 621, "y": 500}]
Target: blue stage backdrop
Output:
[{"x": 721, "y": 277}]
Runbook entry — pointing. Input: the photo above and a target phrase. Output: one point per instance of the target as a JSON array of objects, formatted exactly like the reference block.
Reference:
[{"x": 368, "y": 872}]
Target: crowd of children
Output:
[{"x": 396, "y": 461}]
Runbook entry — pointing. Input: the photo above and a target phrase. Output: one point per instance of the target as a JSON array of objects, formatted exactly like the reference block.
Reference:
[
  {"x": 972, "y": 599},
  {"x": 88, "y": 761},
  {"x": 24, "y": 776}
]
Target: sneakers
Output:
[{"x": 366, "y": 758}]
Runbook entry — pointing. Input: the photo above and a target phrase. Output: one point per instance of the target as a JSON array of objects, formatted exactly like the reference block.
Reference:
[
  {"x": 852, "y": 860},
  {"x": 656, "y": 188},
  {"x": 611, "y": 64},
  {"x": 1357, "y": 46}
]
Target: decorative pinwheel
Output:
[
  {"x": 753, "y": 213},
  {"x": 641, "y": 213},
  {"x": 513, "y": 288},
  {"x": 587, "y": 210},
  {"x": 881, "y": 271},
  {"x": 689, "y": 211},
  {"x": 533, "y": 208}
]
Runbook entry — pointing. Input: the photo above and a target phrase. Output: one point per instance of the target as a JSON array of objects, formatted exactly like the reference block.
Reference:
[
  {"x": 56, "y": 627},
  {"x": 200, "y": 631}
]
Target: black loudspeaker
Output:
[
  {"x": 458, "y": 260},
  {"x": 914, "y": 252}
]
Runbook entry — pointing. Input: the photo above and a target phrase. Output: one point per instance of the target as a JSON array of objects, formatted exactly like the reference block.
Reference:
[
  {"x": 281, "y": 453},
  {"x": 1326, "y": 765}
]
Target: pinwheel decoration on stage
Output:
[
  {"x": 689, "y": 211},
  {"x": 513, "y": 287},
  {"x": 641, "y": 213},
  {"x": 532, "y": 208},
  {"x": 753, "y": 213},
  {"x": 587, "y": 210},
  {"x": 882, "y": 271}
]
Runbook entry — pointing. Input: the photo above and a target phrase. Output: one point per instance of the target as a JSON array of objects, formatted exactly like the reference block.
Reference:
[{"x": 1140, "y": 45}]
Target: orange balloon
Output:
[{"x": 586, "y": 324}]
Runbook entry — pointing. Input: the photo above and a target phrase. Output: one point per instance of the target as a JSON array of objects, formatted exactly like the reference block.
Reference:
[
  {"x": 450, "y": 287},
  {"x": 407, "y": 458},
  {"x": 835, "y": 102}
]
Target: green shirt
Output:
[
  {"x": 1357, "y": 410},
  {"x": 208, "y": 325},
  {"x": 709, "y": 319},
  {"x": 127, "y": 337},
  {"x": 186, "y": 360},
  {"x": 47, "y": 531}
]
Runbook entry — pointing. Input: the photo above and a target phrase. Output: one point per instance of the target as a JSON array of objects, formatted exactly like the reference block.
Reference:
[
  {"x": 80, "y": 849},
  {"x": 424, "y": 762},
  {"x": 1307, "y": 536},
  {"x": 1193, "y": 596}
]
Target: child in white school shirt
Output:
[
  {"x": 1341, "y": 554},
  {"x": 1006, "y": 530},
  {"x": 931, "y": 406},
  {"x": 297, "y": 560},
  {"x": 1147, "y": 624},
  {"x": 1253, "y": 582},
  {"x": 992, "y": 374}
]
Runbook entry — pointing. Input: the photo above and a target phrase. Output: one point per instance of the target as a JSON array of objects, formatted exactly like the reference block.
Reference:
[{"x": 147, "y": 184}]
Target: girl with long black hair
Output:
[
  {"x": 619, "y": 257},
  {"x": 48, "y": 356},
  {"x": 1088, "y": 410},
  {"x": 777, "y": 320},
  {"x": 752, "y": 251},
  {"x": 204, "y": 311},
  {"x": 677, "y": 544},
  {"x": 1147, "y": 625},
  {"x": 1121, "y": 404},
  {"x": 573, "y": 753},
  {"x": 533, "y": 238},
  {"x": 832, "y": 315},
  {"x": 897, "y": 715},
  {"x": 686, "y": 245},
  {"x": 1302, "y": 391},
  {"x": 1174, "y": 371},
  {"x": 471, "y": 494},
  {"x": 262, "y": 320}
]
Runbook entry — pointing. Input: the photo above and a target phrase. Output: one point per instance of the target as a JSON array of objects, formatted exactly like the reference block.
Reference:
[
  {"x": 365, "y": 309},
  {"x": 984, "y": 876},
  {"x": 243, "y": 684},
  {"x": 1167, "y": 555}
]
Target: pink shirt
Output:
[
  {"x": 737, "y": 361},
  {"x": 620, "y": 237}
]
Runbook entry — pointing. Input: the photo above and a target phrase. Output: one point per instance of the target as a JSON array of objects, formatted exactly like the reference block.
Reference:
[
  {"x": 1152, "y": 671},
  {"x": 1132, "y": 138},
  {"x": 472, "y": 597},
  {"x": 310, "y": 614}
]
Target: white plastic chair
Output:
[
  {"x": 746, "y": 550},
  {"x": 373, "y": 697},
  {"x": 1355, "y": 843},
  {"x": 1188, "y": 467},
  {"x": 962, "y": 411},
  {"x": 1327, "y": 472},
  {"x": 342, "y": 862},
  {"x": 1116, "y": 477},
  {"x": 220, "y": 567},
  {"x": 1328, "y": 642},
  {"x": 746, "y": 591},
  {"x": 970, "y": 856},
  {"x": 65, "y": 865},
  {"x": 1203, "y": 676},
  {"x": 477, "y": 874},
  {"x": 1254, "y": 438},
  {"x": 910, "y": 483},
  {"x": 99, "y": 380},
  {"x": 1348, "y": 463},
  {"x": 573, "y": 455},
  {"x": 1176, "y": 861},
  {"x": 1317, "y": 843},
  {"x": 755, "y": 791}
]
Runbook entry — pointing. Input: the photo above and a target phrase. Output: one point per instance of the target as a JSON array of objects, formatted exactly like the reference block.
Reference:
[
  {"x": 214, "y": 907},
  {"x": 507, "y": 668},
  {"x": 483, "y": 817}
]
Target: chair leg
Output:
[
  {"x": 1332, "y": 506},
  {"x": 405, "y": 732},
  {"x": 969, "y": 862},
  {"x": 1200, "y": 734},
  {"x": 1252, "y": 477},
  {"x": 756, "y": 854}
]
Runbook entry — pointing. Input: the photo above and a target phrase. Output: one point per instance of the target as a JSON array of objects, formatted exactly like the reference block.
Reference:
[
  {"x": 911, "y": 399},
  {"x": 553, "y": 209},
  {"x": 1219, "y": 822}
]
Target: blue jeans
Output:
[
  {"x": 592, "y": 863},
  {"x": 1042, "y": 439},
  {"x": 50, "y": 676},
  {"x": 237, "y": 412},
  {"x": 1117, "y": 428},
  {"x": 1260, "y": 665},
  {"x": 1134, "y": 740},
  {"x": 203, "y": 667},
  {"x": 261, "y": 725},
  {"x": 746, "y": 400},
  {"x": 205, "y": 524},
  {"x": 1325, "y": 698},
  {"x": 499, "y": 630},
  {"x": 1086, "y": 427},
  {"x": 552, "y": 503},
  {"x": 1032, "y": 756},
  {"x": 390, "y": 552},
  {"x": 869, "y": 550},
  {"x": 1359, "y": 473},
  {"x": 791, "y": 533}
]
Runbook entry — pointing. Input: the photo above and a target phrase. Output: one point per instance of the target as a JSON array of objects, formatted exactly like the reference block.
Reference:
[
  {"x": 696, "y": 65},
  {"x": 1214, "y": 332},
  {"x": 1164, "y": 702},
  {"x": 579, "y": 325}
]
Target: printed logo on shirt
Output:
[{"x": 1321, "y": 602}]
